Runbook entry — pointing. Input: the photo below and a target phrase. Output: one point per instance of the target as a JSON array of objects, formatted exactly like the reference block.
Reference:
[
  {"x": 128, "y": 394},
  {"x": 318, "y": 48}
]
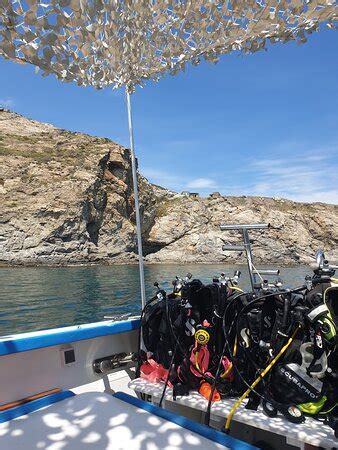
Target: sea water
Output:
[{"x": 37, "y": 298}]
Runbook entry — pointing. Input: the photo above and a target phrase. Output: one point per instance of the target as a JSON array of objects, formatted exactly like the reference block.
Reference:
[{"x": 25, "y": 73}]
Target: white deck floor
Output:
[{"x": 97, "y": 421}]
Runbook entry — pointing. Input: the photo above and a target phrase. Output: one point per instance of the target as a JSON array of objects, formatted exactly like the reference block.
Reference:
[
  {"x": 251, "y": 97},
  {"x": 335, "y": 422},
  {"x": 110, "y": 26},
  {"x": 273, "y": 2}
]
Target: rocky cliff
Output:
[{"x": 66, "y": 198}]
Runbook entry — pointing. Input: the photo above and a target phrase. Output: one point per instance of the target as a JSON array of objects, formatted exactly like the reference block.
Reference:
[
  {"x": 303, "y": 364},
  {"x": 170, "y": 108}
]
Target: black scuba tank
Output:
[
  {"x": 157, "y": 338},
  {"x": 291, "y": 385}
]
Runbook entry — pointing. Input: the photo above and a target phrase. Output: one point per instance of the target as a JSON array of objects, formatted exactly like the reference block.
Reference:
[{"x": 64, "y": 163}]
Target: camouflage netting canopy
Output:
[{"x": 124, "y": 42}]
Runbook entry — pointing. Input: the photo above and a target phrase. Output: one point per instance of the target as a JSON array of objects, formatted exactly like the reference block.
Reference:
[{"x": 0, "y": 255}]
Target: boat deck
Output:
[
  {"x": 100, "y": 421},
  {"x": 310, "y": 433}
]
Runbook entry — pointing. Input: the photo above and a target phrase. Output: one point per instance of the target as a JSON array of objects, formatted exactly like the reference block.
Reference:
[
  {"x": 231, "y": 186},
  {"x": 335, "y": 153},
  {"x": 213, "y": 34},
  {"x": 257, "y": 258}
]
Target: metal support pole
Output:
[
  {"x": 136, "y": 198},
  {"x": 247, "y": 246}
]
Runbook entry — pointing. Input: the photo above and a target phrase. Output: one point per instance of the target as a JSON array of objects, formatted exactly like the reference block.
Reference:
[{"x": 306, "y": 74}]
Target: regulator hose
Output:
[
  {"x": 168, "y": 376},
  {"x": 263, "y": 297},
  {"x": 248, "y": 306},
  {"x": 231, "y": 354},
  {"x": 207, "y": 414},
  {"x": 258, "y": 379}
]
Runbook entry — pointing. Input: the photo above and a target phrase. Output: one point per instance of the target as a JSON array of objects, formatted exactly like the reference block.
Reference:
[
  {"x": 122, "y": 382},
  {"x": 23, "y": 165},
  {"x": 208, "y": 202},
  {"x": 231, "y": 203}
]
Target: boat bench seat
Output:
[
  {"x": 99, "y": 421},
  {"x": 311, "y": 432}
]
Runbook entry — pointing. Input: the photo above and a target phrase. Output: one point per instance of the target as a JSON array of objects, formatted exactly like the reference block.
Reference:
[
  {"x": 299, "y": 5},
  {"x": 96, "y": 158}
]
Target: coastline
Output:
[
  {"x": 67, "y": 200},
  {"x": 151, "y": 264}
]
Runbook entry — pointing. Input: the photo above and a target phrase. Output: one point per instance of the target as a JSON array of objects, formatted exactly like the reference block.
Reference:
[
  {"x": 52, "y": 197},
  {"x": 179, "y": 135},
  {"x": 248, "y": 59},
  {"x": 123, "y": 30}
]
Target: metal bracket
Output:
[
  {"x": 108, "y": 363},
  {"x": 244, "y": 229}
]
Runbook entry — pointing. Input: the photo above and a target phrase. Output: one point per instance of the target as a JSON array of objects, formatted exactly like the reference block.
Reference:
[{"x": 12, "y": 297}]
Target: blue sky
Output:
[{"x": 262, "y": 124}]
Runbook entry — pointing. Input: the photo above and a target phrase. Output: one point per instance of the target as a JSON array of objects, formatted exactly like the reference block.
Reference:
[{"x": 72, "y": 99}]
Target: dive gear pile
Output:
[{"x": 275, "y": 346}]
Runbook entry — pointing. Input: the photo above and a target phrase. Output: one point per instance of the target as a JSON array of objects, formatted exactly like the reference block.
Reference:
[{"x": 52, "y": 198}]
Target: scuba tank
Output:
[
  {"x": 275, "y": 346},
  {"x": 308, "y": 379},
  {"x": 163, "y": 323},
  {"x": 291, "y": 384}
]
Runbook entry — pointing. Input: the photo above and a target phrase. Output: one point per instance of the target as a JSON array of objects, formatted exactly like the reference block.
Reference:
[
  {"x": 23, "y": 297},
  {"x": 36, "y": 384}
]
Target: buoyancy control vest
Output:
[
  {"x": 167, "y": 319},
  {"x": 159, "y": 317}
]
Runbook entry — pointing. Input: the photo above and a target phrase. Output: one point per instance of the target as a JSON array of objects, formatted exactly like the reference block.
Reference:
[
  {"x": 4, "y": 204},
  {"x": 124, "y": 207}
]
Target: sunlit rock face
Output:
[
  {"x": 66, "y": 198},
  {"x": 189, "y": 231}
]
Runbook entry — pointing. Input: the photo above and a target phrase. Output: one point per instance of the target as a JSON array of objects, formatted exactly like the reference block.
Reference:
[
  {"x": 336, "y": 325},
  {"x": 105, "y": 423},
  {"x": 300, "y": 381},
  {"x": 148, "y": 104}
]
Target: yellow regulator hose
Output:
[
  {"x": 258, "y": 379},
  {"x": 235, "y": 288}
]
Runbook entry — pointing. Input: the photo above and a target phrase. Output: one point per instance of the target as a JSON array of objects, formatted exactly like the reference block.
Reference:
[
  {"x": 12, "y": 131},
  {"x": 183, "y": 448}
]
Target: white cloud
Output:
[
  {"x": 310, "y": 177},
  {"x": 7, "y": 103},
  {"x": 176, "y": 182},
  {"x": 201, "y": 183}
]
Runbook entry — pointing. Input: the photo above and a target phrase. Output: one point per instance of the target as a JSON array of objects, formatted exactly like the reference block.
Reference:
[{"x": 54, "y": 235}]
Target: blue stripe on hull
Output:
[
  {"x": 34, "y": 405},
  {"x": 40, "y": 339}
]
